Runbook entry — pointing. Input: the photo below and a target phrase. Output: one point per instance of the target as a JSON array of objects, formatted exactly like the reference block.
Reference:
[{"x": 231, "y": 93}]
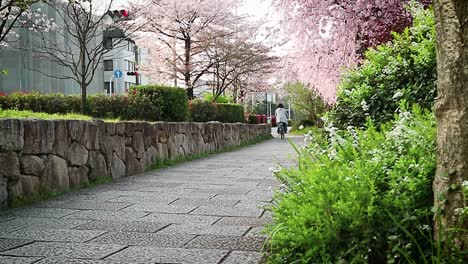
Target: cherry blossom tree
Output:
[
  {"x": 330, "y": 35},
  {"x": 180, "y": 32},
  {"x": 16, "y": 14},
  {"x": 236, "y": 63}
]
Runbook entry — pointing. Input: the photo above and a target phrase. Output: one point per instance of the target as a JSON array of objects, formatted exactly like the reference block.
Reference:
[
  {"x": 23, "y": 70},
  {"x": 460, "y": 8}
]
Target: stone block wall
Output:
[{"x": 62, "y": 154}]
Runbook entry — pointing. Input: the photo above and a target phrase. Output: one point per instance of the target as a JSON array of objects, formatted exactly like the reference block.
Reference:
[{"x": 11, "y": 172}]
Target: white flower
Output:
[
  {"x": 301, "y": 127},
  {"x": 364, "y": 106},
  {"x": 397, "y": 95}
]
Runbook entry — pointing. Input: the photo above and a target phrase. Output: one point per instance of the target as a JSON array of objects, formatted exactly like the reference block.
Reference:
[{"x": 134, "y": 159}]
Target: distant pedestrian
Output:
[{"x": 282, "y": 117}]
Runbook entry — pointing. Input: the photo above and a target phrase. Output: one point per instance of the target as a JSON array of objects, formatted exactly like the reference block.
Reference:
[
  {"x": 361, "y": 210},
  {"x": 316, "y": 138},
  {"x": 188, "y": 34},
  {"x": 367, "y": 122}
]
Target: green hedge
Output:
[
  {"x": 205, "y": 111},
  {"x": 231, "y": 113},
  {"x": 46, "y": 103},
  {"x": 157, "y": 102},
  {"x": 103, "y": 106},
  {"x": 149, "y": 103}
]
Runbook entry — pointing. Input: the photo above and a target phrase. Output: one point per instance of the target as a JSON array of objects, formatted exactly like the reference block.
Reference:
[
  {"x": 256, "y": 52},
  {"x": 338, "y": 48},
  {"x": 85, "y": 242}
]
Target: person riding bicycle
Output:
[{"x": 282, "y": 118}]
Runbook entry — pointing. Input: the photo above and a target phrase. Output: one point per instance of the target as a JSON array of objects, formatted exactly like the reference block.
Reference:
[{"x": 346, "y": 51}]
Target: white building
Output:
[
  {"x": 125, "y": 58},
  {"x": 28, "y": 71}
]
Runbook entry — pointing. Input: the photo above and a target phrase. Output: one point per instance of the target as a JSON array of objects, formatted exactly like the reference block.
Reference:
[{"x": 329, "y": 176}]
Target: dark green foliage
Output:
[
  {"x": 203, "y": 111},
  {"x": 46, "y": 103},
  {"x": 103, "y": 106},
  {"x": 338, "y": 205},
  {"x": 149, "y": 103},
  {"x": 307, "y": 103},
  {"x": 404, "y": 69},
  {"x": 253, "y": 119},
  {"x": 162, "y": 103},
  {"x": 231, "y": 113}
]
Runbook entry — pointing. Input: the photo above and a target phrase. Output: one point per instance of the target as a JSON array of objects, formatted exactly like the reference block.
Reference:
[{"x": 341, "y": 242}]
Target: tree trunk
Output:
[
  {"x": 83, "y": 79},
  {"x": 187, "y": 73},
  {"x": 452, "y": 117}
]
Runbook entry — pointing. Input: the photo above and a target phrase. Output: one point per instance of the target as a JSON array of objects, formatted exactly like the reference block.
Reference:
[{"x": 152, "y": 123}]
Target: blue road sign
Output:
[{"x": 118, "y": 74}]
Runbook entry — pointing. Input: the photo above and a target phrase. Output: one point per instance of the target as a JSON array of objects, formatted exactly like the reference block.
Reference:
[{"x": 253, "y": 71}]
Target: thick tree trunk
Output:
[{"x": 452, "y": 118}]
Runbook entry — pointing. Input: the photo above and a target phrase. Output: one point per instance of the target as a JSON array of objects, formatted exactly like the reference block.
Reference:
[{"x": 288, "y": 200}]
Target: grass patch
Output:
[
  {"x": 161, "y": 164},
  {"x": 44, "y": 116},
  {"x": 46, "y": 194},
  {"x": 30, "y": 114},
  {"x": 303, "y": 131}
]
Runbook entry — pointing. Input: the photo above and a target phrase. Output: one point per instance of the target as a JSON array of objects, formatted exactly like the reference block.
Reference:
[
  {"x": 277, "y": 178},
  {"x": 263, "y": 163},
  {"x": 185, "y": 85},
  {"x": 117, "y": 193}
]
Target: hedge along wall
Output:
[{"x": 57, "y": 155}]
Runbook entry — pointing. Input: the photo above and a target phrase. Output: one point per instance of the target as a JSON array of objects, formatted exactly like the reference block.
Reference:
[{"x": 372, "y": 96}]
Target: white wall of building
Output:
[{"x": 30, "y": 72}]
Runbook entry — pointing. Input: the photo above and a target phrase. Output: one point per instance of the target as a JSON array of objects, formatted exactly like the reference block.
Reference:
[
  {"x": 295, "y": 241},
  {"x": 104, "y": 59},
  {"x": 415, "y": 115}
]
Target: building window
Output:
[
  {"x": 130, "y": 46},
  {"x": 129, "y": 65},
  {"x": 107, "y": 43},
  {"x": 107, "y": 88},
  {"x": 108, "y": 65}
]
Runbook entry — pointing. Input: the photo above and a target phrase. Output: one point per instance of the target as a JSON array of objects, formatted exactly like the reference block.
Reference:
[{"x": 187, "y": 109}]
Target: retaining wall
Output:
[{"x": 62, "y": 154}]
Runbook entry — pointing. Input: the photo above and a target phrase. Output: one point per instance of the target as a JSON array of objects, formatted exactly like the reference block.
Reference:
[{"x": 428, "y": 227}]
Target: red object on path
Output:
[{"x": 273, "y": 121}]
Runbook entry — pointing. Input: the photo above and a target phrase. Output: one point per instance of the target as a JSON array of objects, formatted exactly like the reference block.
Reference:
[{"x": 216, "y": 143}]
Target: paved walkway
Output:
[{"x": 205, "y": 211}]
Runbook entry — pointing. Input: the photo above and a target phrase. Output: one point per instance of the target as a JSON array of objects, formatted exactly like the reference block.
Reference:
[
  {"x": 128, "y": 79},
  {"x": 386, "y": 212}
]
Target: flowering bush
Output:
[
  {"x": 358, "y": 196},
  {"x": 404, "y": 69}
]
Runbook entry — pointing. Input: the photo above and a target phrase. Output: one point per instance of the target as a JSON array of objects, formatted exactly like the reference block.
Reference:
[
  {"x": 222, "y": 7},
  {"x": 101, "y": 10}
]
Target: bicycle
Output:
[{"x": 281, "y": 131}]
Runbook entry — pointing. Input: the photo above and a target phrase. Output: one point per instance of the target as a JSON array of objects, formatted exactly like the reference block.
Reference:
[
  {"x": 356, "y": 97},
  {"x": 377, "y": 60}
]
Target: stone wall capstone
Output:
[{"x": 57, "y": 155}]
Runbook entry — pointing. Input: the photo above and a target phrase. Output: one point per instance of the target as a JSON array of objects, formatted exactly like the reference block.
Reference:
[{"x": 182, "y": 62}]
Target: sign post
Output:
[{"x": 117, "y": 74}]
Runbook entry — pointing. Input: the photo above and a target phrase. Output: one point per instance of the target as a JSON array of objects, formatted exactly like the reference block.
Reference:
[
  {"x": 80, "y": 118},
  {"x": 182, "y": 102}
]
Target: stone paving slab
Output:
[
  {"x": 256, "y": 231},
  {"x": 18, "y": 260},
  {"x": 180, "y": 218},
  {"x": 65, "y": 250},
  {"x": 6, "y": 243},
  {"x": 59, "y": 235},
  {"x": 227, "y": 243},
  {"x": 208, "y": 202},
  {"x": 205, "y": 211},
  {"x": 242, "y": 221},
  {"x": 160, "y": 208},
  {"x": 94, "y": 205},
  {"x": 123, "y": 226},
  {"x": 107, "y": 215},
  {"x": 169, "y": 255},
  {"x": 243, "y": 257},
  {"x": 161, "y": 199},
  {"x": 39, "y": 212},
  {"x": 228, "y": 211},
  {"x": 205, "y": 230},
  {"x": 41, "y": 222},
  {"x": 86, "y": 261},
  {"x": 144, "y": 239}
]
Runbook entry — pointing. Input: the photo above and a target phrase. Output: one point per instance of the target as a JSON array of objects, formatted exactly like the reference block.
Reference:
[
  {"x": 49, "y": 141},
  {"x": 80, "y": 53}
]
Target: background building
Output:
[{"x": 28, "y": 71}]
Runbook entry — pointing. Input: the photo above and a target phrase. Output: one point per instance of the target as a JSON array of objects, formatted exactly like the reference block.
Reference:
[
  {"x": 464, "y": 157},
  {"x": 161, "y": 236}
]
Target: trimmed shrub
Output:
[
  {"x": 164, "y": 103},
  {"x": 103, "y": 106},
  {"x": 47, "y": 103},
  {"x": 203, "y": 111},
  {"x": 230, "y": 113}
]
